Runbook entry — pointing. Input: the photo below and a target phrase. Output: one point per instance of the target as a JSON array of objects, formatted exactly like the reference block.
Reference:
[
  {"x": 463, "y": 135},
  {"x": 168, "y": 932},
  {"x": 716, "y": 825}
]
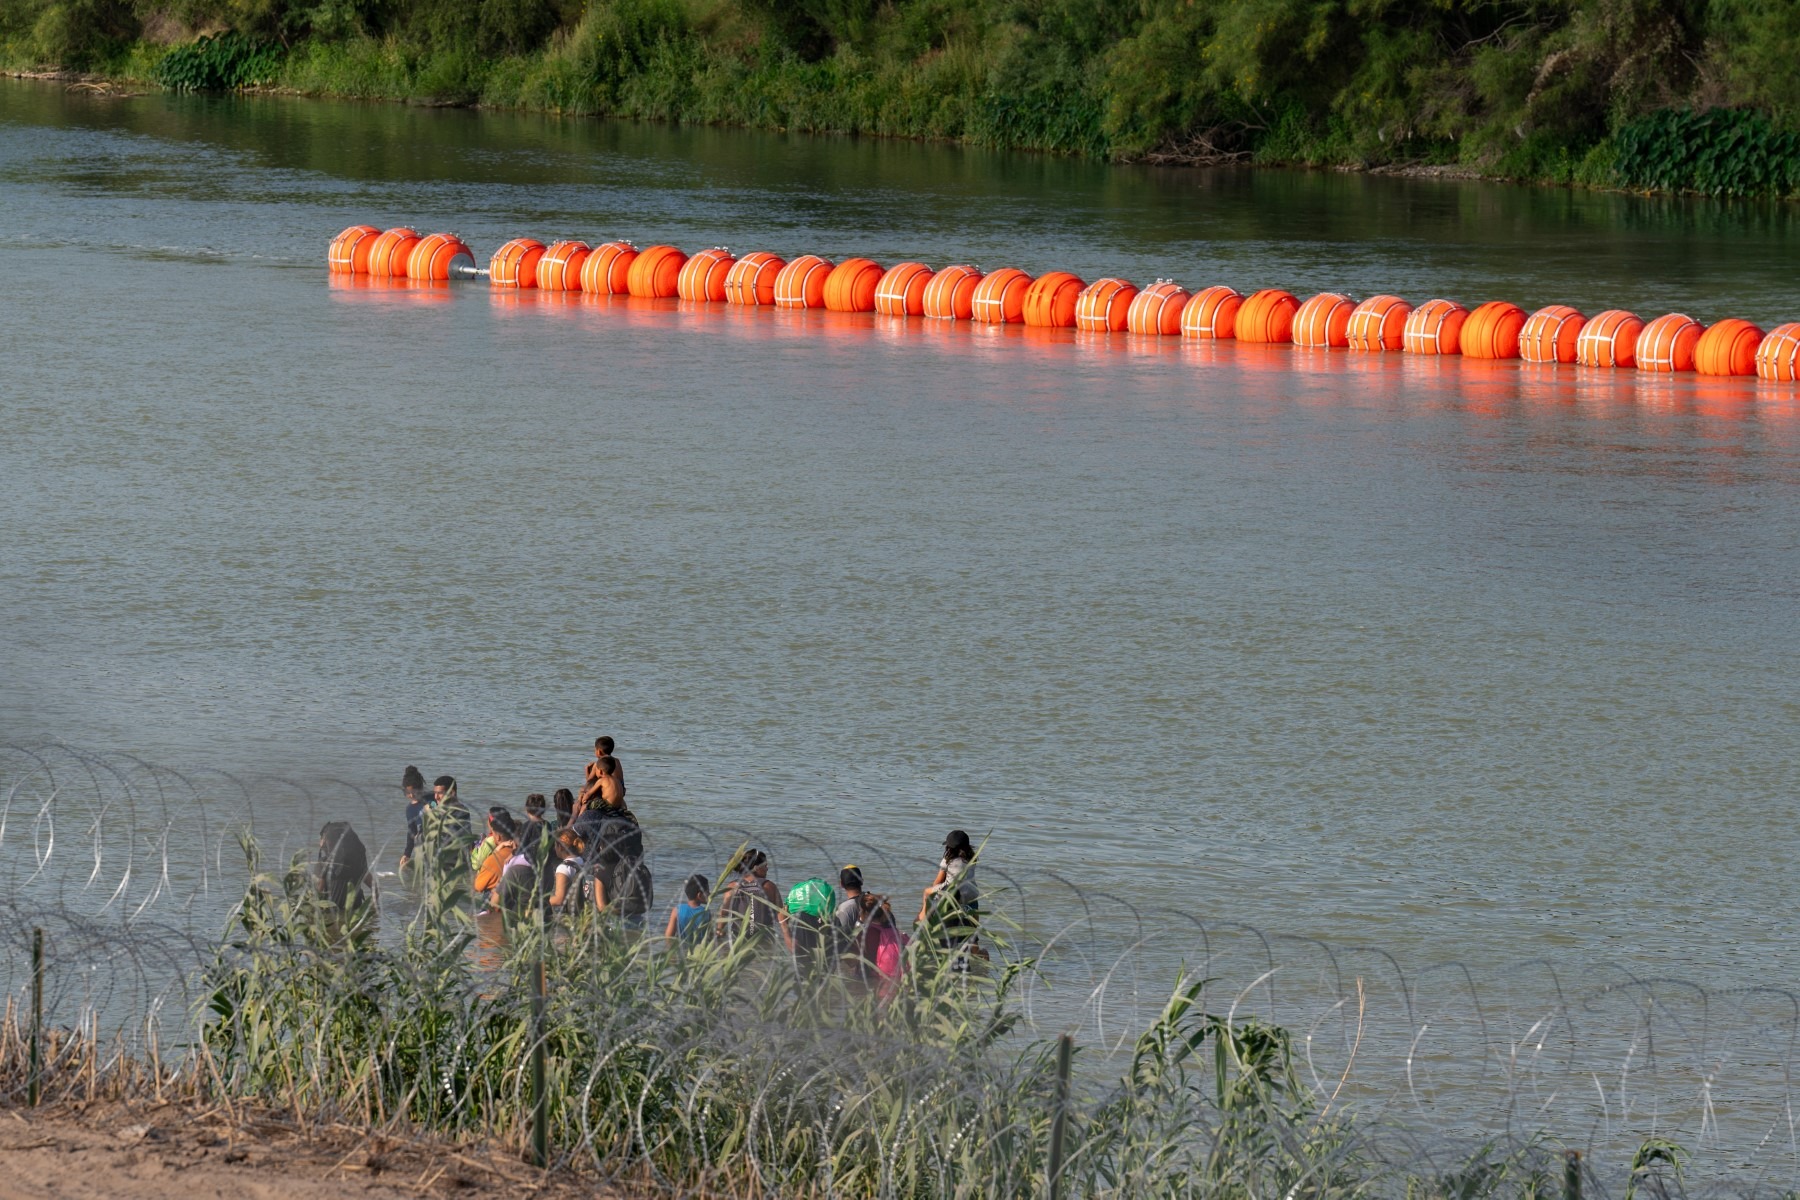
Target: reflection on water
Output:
[{"x": 231, "y": 177}]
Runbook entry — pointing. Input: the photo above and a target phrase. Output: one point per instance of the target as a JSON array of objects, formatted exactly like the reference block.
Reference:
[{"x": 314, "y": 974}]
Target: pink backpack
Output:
[{"x": 890, "y": 946}]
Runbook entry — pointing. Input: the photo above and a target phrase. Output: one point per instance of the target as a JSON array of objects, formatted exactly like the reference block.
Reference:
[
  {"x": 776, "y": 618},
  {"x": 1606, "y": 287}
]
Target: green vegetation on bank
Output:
[
  {"x": 711, "y": 1069},
  {"x": 1666, "y": 94}
]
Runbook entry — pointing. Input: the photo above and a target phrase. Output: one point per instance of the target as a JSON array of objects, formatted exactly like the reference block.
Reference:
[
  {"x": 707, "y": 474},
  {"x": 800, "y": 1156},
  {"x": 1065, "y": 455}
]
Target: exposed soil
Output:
[
  {"x": 106, "y": 1151},
  {"x": 79, "y": 81}
]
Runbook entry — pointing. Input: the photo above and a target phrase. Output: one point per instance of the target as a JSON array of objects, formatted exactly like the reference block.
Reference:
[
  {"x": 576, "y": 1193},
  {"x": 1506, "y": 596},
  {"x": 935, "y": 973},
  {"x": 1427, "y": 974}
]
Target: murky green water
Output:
[{"x": 1474, "y": 664}]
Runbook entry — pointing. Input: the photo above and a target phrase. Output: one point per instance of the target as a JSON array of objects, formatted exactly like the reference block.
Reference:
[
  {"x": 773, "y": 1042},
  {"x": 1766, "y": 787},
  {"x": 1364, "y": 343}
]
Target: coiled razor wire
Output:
[{"x": 132, "y": 871}]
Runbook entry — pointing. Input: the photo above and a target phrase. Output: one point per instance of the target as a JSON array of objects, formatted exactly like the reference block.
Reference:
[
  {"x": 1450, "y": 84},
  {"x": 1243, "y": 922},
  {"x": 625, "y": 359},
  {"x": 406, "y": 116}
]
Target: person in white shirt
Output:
[{"x": 955, "y": 891}]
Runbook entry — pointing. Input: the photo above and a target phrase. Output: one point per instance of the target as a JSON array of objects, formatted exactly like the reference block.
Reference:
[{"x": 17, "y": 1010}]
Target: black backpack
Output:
[
  {"x": 632, "y": 888},
  {"x": 615, "y": 855},
  {"x": 341, "y": 864}
]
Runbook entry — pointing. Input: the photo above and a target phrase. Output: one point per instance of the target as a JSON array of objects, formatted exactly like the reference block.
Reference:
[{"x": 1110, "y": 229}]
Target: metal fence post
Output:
[
  {"x": 34, "y": 1079},
  {"x": 1065, "y": 1054},
  {"x": 540, "y": 1099}
]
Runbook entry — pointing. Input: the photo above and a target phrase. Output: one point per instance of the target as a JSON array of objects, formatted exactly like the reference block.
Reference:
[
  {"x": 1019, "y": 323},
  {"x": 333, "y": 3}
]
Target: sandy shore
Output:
[{"x": 174, "y": 1152}]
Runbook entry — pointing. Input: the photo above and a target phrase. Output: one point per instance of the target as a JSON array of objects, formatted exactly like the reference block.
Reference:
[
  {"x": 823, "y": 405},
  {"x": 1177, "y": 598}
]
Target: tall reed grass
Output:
[{"x": 732, "y": 1067}]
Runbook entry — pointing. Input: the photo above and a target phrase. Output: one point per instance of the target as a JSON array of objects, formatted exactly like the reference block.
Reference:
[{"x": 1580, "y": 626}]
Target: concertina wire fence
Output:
[{"x": 1402, "y": 1081}]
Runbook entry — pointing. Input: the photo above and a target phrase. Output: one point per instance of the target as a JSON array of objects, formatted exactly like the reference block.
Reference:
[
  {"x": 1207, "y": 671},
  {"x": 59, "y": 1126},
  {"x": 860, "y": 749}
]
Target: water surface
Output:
[{"x": 1477, "y": 663}]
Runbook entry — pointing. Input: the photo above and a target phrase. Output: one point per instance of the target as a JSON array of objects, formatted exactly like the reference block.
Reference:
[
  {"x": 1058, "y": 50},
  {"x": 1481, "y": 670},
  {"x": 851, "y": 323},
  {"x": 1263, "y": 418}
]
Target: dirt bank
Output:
[{"x": 175, "y": 1152}]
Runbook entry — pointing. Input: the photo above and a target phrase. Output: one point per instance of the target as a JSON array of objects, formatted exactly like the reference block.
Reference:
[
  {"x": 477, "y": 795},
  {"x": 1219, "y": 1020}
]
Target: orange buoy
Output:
[
  {"x": 1667, "y": 344},
  {"x": 1212, "y": 313},
  {"x": 1378, "y": 323},
  {"x": 999, "y": 298},
  {"x": 1728, "y": 348},
  {"x": 1050, "y": 300},
  {"x": 1157, "y": 309},
  {"x": 751, "y": 279},
  {"x": 1267, "y": 316},
  {"x": 1550, "y": 334},
  {"x": 654, "y": 272},
  {"x": 1104, "y": 306},
  {"x": 702, "y": 276},
  {"x": 349, "y": 253},
  {"x": 514, "y": 265},
  {"x": 851, "y": 285},
  {"x": 901, "y": 291},
  {"x": 801, "y": 283},
  {"x": 559, "y": 270},
  {"x": 1435, "y": 327},
  {"x": 1778, "y": 354},
  {"x": 432, "y": 258},
  {"x": 950, "y": 296},
  {"x": 1492, "y": 330},
  {"x": 607, "y": 270},
  {"x": 1609, "y": 340},
  {"x": 1323, "y": 322},
  {"x": 389, "y": 251}
]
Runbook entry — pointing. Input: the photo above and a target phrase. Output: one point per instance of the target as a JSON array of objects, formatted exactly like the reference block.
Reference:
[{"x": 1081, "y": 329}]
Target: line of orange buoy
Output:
[{"x": 1332, "y": 321}]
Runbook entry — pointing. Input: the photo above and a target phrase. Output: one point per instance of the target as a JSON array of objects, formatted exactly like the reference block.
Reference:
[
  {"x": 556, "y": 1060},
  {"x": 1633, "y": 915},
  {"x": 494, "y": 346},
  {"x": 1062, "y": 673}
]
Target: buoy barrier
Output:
[
  {"x": 1377, "y": 324},
  {"x": 702, "y": 277},
  {"x": 1609, "y": 340},
  {"x": 559, "y": 268},
  {"x": 440, "y": 257},
  {"x": 1156, "y": 311},
  {"x": 389, "y": 252},
  {"x": 1212, "y": 313},
  {"x": 1324, "y": 321},
  {"x": 1104, "y": 306},
  {"x": 1778, "y": 354},
  {"x": 1554, "y": 334},
  {"x": 1667, "y": 343},
  {"x": 349, "y": 253},
  {"x": 514, "y": 265},
  {"x": 1492, "y": 330},
  {"x": 1728, "y": 348},
  {"x": 1435, "y": 327},
  {"x": 801, "y": 283},
  {"x": 901, "y": 290},
  {"x": 950, "y": 296},
  {"x": 1267, "y": 316},
  {"x": 851, "y": 285},
  {"x": 607, "y": 271},
  {"x": 751, "y": 279},
  {"x": 1050, "y": 300},
  {"x": 654, "y": 273},
  {"x": 1549, "y": 335},
  {"x": 1000, "y": 297}
]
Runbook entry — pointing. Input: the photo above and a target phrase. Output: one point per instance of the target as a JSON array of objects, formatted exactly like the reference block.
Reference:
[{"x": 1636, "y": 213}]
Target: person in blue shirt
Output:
[
  {"x": 412, "y": 786},
  {"x": 687, "y": 920}
]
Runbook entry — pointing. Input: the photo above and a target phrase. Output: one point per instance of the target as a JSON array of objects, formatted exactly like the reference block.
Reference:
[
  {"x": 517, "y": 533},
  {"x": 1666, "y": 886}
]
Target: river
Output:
[{"x": 1477, "y": 663}]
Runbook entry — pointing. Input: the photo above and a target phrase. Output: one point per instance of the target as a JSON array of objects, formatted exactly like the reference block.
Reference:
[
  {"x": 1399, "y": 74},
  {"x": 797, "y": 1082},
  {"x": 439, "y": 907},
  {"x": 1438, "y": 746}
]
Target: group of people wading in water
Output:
[{"x": 583, "y": 853}]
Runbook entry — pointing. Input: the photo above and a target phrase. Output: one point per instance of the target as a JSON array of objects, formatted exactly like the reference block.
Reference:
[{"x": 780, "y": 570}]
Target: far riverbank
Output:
[{"x": 1621, "y": 95}]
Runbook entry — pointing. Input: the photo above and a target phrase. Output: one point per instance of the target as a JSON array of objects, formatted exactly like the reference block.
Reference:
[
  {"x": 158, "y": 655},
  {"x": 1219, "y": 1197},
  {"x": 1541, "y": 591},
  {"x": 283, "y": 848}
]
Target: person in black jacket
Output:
[{"x": 341, "y": 869}]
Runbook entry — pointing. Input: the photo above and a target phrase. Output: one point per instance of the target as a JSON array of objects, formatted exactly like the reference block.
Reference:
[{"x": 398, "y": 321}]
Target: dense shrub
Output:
[
  {"x": 79, "y": 35},
  {"x": 1722, "y": 152},
  {"x": 219, "y": 63}
]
